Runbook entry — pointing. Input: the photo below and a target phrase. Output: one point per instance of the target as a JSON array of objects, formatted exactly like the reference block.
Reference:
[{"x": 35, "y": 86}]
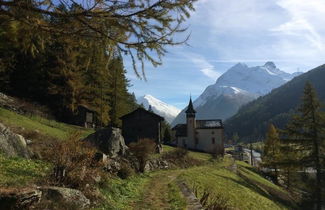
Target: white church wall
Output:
[{"x": 209, "y": 140}]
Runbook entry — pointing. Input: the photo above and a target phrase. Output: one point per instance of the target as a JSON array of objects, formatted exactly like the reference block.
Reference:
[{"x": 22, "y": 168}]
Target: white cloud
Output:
[
  {"x": 306, "y": 21},
  {"x": 285, "y": 30},
  {"x": 203, "y": 65}
]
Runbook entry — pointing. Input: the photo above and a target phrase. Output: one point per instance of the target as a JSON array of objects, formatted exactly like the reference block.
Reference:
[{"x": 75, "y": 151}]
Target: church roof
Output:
[
  {"x": 190, "y": 109},
  {"x": 206, "y": 124}
]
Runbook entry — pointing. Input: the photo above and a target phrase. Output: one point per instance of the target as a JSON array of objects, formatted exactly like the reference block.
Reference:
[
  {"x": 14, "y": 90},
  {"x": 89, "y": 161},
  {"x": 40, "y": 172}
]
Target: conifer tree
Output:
[
  {"x": 305, "y": 134},
  {"x": 272, "y": 151},
  {"x": 120, "y": 100}
]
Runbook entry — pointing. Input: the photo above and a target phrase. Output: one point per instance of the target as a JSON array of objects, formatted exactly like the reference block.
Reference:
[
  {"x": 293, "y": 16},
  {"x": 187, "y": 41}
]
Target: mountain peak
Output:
[
  {"x": 270, "y": 65},
  {"x": 240, "y": 65},
  {"x": 167, "y": 111}
]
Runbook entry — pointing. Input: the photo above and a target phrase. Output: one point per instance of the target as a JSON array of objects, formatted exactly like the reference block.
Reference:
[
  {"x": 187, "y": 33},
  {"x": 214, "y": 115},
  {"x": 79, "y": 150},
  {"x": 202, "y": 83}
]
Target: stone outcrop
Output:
[
  {"x": 109, "y": 141},
  {"x": 31, "y": 198},
  {"x": 67, "y": 196},
  {"x": 156, "y": 164},
  {"x": 22, "y": 199},
  {"x": 12, "y": 144}
]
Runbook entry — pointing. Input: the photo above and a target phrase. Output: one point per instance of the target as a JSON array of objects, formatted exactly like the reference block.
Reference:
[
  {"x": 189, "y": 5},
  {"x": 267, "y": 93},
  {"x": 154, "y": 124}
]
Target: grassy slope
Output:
[
  {"x": 19, "y": 171},
  {"x": 236, "y": 191},
  {"x": 243, "y": 189},
  {"x": 44, "y": 126}
]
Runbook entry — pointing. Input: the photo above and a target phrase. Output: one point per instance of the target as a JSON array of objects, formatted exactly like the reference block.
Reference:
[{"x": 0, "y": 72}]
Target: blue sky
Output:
[{"x": 290, "y": 33}]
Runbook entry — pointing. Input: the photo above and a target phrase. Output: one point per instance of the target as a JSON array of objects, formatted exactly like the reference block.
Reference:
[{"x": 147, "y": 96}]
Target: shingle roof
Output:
[{"x": 209, "y": 123}]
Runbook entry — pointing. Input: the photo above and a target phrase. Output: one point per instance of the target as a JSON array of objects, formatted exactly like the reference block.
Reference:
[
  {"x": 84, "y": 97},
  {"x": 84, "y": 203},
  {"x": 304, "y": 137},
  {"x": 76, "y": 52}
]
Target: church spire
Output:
[{"x": 190, "y": 112}]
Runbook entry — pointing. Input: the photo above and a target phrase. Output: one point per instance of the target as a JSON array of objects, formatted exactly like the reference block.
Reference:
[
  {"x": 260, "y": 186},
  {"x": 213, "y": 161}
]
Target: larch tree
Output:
[
  {"x": 305, "y": 135},
  {"x": 271, "y": 150},
  {"x": 140, "y": 29}
]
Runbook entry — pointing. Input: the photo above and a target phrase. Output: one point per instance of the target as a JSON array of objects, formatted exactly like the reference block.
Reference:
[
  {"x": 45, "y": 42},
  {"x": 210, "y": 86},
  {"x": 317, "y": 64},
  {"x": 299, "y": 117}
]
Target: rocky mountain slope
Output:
[
  {"x": 236, "y": 87},
  {"x": 163, "y": 109}
]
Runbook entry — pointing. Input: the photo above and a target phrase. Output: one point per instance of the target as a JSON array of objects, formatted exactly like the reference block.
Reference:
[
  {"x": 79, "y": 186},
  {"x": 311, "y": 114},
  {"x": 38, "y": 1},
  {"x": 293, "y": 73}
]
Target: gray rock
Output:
[
  {"x": 12, "y": 144},
  {"x": 109, "y": 141},
  {"x": 156, "y": 164},
  {"x": 22, "y": 199},
  {"x": 65, "y": 195}
]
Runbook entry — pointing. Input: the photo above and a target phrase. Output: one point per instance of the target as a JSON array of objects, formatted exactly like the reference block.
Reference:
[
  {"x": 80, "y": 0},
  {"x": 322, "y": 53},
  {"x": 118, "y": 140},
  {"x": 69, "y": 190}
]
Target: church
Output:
[{"x": 201, "y": 135}]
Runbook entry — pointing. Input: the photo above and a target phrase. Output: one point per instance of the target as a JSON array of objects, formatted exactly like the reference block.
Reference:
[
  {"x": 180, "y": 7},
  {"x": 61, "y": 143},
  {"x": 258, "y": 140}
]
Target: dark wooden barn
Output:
[
  {"x": 141, "y": 124},
  {"x": 84, "y": 117}
]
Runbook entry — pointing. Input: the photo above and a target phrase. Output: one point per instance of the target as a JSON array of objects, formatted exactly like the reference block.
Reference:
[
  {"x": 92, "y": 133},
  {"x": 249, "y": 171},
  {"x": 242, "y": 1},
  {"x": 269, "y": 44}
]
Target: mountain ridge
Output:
[
  {"x": 239, "y": 85},
  {"x": 251, "y": 121},
  {"x": 159, "y": 107}
]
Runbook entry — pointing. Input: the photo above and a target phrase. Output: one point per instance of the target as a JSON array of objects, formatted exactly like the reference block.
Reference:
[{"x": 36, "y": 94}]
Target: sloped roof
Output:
[
  {"x": 181, "y": 130},
  {"x": 140, "y": 109},
  {"x": 209, "y": 123}
]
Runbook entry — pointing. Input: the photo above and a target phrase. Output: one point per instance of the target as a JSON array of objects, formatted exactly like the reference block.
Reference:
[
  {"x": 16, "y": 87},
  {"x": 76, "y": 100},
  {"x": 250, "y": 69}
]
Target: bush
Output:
[
  {"x": 142, "y": 150},
  {"x": 180, "y": 158},
  {"x": 125, "y": 171},
  {"x": 73, "y": 162}
]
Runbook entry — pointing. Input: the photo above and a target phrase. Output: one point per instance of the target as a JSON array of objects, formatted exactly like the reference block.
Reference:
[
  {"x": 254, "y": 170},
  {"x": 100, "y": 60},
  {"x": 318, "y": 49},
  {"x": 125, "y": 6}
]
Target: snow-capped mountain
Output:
[
  {"x": 167, "y": 111},
  {"x": 236, "y": 87},
  {"x": 258, "y": 80}
]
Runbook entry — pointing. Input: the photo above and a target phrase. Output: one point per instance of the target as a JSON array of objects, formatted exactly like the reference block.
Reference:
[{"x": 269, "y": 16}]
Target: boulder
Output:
[
  {"x": 12, "y": 144},
  {"x": 109, "y": 141},
  {"x": 66, "y": 196},
  {"x": 19, "y": 199}
]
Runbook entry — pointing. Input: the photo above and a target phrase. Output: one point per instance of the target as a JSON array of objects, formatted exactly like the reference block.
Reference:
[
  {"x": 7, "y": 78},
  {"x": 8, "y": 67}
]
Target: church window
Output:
[{"x": 213, "y": 140}]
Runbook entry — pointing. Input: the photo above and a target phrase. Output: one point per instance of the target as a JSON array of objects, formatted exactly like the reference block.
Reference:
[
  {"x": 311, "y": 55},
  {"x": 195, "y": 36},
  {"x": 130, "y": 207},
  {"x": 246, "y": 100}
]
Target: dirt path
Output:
[{"x": 156, "y": 193}]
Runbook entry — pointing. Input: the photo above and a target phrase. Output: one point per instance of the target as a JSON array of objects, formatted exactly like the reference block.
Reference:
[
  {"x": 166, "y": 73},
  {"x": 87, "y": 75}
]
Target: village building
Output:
[
  {"x": 84, "y": 116},
  {"x": 141, "y": 124},
  {"x": 200, "y": 135}
]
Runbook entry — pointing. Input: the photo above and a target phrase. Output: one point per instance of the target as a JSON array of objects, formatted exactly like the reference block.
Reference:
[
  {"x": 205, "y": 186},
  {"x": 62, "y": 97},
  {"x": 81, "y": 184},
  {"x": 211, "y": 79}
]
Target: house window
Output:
[
  {"x": 213, "y": 140},
  {"x": 212, "y": 132},
  {"x": 196, "y": 140}
]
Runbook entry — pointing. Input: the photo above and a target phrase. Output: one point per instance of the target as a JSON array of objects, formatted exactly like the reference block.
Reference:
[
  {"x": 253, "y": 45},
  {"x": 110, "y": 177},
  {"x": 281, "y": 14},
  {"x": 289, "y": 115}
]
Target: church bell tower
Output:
[{"x": 191, "y": 125}]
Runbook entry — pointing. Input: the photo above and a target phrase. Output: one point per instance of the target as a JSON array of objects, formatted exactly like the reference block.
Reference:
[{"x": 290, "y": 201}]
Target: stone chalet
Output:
[{"x": 201, "y": 135}]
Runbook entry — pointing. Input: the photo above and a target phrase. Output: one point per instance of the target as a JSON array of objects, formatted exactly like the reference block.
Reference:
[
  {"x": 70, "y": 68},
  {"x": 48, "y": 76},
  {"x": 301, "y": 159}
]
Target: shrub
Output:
[
  {"x": 125, "y": 171},
  {"x": 73, "y": 163},
  {"x": 142, "y": 150},
  {"x": 180, "y": 158}
]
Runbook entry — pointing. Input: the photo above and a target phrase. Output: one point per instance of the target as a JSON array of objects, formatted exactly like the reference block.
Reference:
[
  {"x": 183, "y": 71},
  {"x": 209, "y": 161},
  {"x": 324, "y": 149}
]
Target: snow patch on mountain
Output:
[
  {"x": 163, "y": 109},
  {"x": 236, "y": 87},
  {"x": 258, "y": 80}
]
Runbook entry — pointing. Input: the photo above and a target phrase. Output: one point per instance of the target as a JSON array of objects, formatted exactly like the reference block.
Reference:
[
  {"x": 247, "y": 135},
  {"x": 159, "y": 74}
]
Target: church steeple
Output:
[{"x": 190, "y": 112}]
